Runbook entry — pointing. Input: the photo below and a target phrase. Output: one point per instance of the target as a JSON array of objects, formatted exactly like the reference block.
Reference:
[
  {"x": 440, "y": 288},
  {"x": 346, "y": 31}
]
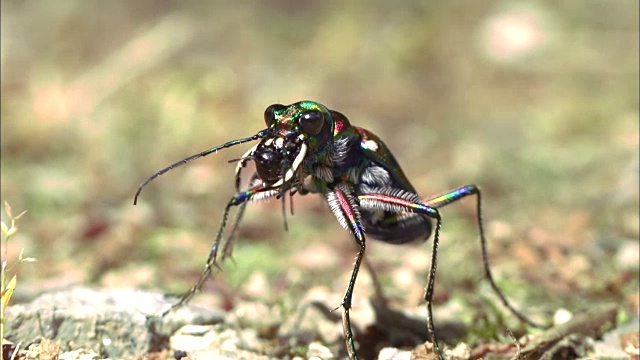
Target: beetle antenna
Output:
[{"x": 231, "y": 143}]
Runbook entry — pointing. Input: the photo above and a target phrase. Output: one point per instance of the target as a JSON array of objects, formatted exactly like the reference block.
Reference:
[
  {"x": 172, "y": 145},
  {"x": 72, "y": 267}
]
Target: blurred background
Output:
[{"x": 536, "y": 102}]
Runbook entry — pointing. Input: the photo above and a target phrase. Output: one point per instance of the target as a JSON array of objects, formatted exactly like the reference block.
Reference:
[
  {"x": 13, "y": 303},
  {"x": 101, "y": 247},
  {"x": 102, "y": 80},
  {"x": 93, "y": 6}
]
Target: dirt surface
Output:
[{"x": 535, "y": 103}]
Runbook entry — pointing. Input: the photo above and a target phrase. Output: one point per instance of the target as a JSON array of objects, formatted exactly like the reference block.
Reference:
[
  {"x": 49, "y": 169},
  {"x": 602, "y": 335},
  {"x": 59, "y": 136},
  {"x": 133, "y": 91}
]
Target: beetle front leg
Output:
[
  {"x": 255, "y": 182},
  {"x": 209, "y": 265},
  {"x": 343, "y": 204},
  {"x": 241, "y": 199}
]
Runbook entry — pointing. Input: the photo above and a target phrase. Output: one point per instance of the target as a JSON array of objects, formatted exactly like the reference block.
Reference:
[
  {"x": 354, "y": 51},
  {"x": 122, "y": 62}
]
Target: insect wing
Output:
[
  {"x": 375, "y": 150},
  {"x": 383, "y": 175}
]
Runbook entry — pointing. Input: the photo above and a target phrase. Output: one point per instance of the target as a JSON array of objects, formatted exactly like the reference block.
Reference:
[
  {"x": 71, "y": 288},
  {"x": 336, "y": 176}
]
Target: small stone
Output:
[
  {"x": 319, "y": 351},
  {"x": 80, "y": 354},
  {"x": 394, "y": 354},
  {"x": 630, "y": 343},
  {"x": 191, "y": 337},
  {"x": 562, "y": 316},
  {"x": 461, "y": 351},
  {"x": 628, "y": 256},
  {"x": 253, "y": 315},
  {"x": 257, "y": 286}
]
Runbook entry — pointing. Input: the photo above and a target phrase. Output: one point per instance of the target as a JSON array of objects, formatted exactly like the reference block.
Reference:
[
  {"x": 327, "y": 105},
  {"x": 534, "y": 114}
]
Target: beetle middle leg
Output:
[
  {"x": 343, "y": 205},
  {"x": 397, "y": 204}
]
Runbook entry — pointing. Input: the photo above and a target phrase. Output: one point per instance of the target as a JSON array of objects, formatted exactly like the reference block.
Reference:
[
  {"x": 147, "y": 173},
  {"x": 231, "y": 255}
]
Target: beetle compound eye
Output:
[
  {"x": 312, "y": 121},
  {"x": 270, "y": 113}
]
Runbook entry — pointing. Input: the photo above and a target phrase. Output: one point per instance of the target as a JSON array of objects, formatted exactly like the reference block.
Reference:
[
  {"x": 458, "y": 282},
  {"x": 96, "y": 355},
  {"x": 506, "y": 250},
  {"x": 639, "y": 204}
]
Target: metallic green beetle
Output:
[{"x": 308, "y": 148}]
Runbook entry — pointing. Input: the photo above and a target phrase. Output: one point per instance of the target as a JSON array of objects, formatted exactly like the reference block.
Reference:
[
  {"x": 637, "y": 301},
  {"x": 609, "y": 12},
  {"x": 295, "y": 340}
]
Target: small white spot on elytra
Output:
[{"x": 370, "y": 145}]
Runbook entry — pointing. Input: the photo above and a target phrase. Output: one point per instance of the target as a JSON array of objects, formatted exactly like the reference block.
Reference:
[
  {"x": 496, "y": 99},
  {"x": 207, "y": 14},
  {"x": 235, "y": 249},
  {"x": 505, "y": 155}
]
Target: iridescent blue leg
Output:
[
  {"x": 429, "y": 208},
  {"x": 456, "y": 195},
  {"x": 227, "y": 245}
]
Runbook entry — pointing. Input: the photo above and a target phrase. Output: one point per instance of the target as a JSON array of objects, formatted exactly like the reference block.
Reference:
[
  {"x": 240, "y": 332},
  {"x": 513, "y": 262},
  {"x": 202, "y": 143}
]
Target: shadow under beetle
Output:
[{"x": 308, "y": 148}]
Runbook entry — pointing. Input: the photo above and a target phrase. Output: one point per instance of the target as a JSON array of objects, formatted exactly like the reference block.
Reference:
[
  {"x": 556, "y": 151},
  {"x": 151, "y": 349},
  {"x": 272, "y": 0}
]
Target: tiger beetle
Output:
[{"x": 308, "y": 148}]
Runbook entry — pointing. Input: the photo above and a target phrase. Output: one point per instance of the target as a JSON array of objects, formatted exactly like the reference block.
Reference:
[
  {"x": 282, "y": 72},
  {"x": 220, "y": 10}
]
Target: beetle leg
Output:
[
  {"x": 429, "y": 208},
  {"x": 396, "y": 204},
  {"x": 344, "y": 206},
  {"x": 240, "y": 199},
  {"x": 227, "y": 245},
  {"x": 462, "y": 192}
]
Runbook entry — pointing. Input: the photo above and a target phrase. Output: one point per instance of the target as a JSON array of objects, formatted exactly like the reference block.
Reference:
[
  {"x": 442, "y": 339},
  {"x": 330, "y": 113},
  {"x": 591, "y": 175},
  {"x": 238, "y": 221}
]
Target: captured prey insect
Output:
[{"x": 308, "y": 148}]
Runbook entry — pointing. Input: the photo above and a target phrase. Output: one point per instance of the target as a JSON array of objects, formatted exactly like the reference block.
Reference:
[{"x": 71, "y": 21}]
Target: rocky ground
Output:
[{"x": 535, "y": 102}]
